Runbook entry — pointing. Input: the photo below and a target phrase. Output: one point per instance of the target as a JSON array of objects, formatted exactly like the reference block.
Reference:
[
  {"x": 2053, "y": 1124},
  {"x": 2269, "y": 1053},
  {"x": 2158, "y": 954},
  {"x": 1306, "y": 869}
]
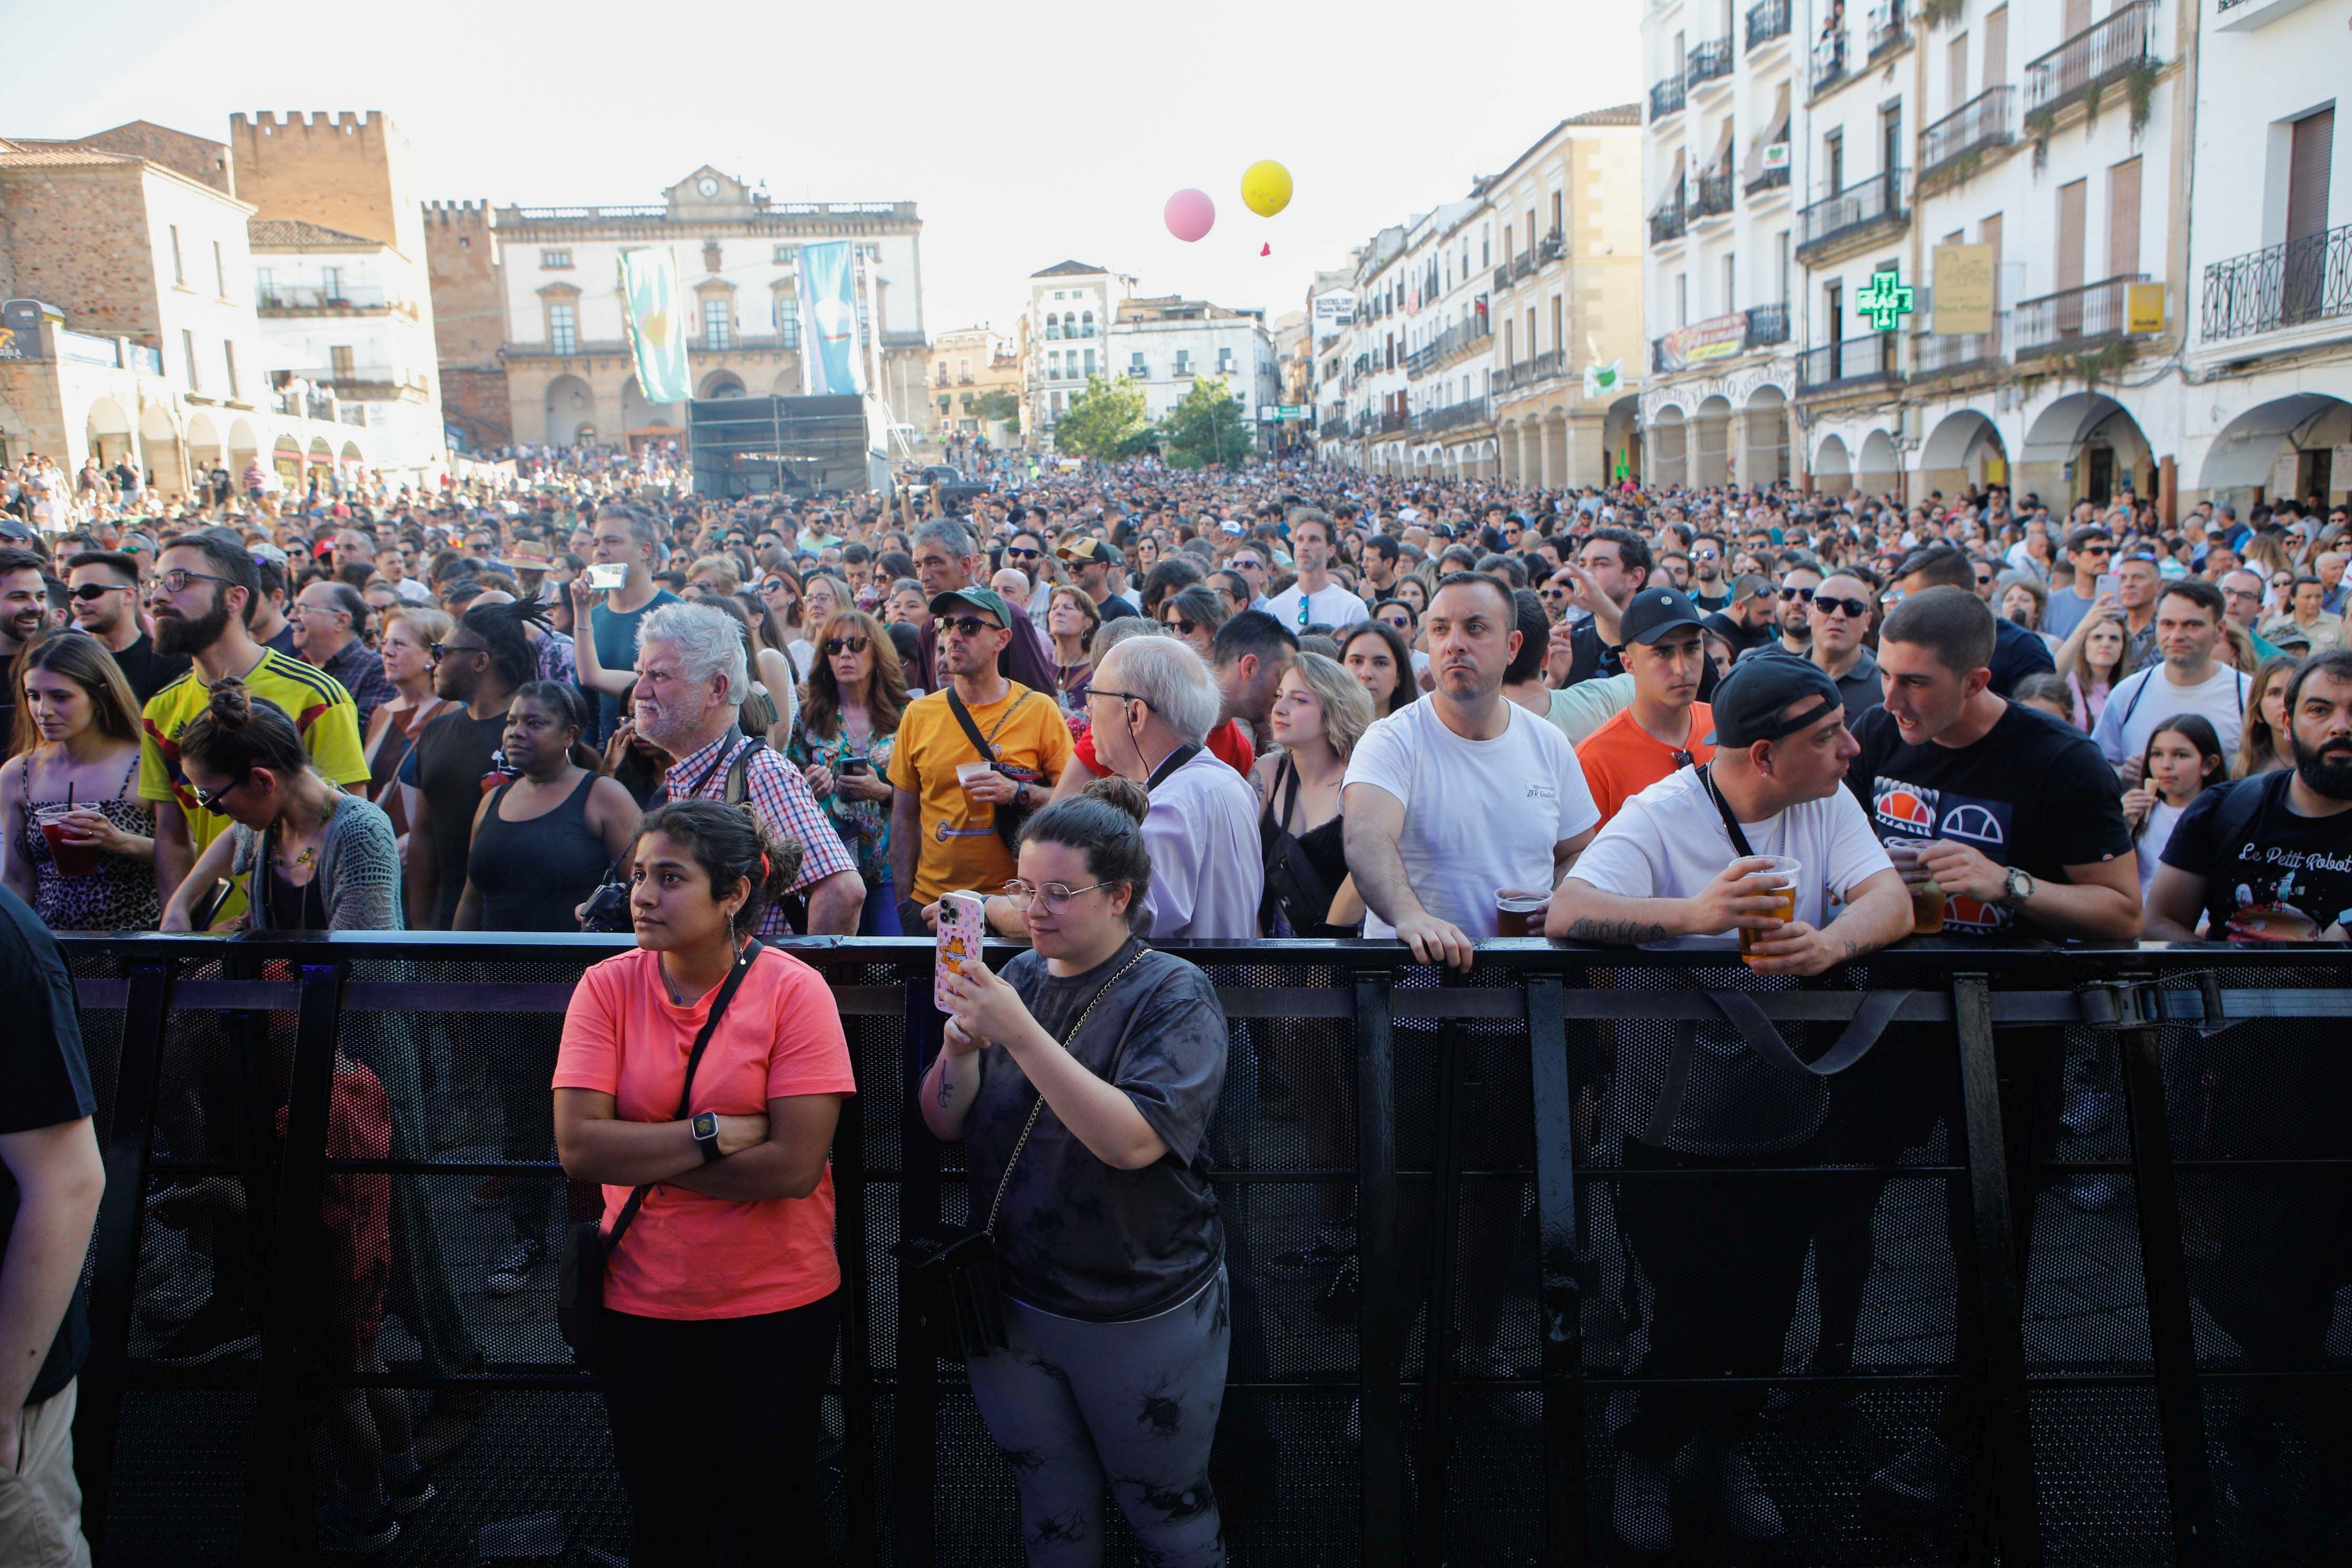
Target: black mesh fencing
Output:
[{"x": 1544, "y": 1262}]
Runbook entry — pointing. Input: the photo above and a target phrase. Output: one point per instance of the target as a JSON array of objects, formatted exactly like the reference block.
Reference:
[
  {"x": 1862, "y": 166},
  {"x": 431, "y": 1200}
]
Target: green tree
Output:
[
  {"x": 1001, "y": 405},
  {"x": 1105, "y": 421},
  {"x": 1207, "y": 427}
]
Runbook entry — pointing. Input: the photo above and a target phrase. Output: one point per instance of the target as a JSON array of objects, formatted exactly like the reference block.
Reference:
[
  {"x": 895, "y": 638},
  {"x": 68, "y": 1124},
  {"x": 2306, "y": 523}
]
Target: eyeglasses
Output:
[
  {"x": 442, "y": 651},
  {"x": 1797, "y": 596},
  {"x": 1122, "y": 696},
  {"x": 90, "y": 591},
  {"x": 835, "y": 646},
  {"x": 972, "y": 625},
  {"x": 1020, "y": 895},
  {"x": 177, "y": 579},
  {"x": 1856, "y": 609},
  {"x": 210, "y": 799}
]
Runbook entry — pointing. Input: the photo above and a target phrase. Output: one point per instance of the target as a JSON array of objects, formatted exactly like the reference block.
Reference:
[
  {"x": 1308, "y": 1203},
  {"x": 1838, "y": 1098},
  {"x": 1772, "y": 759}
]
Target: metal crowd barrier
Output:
[{"x": 2179, "y": 1301}]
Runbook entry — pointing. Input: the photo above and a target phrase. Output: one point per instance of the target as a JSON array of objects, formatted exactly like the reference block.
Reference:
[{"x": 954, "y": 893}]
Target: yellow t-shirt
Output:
[
  {"x": 323, "y": 714},
  {"x": 959, "y": 848}
]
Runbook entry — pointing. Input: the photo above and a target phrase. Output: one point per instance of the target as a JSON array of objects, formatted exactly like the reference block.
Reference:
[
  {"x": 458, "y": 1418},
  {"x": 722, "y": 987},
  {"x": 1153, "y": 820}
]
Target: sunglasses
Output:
[
  {"x": 442, "y": 651},
  {"x": 835, "y": 646},
  {"x": 1797, "y": 596},
  {"x": 1015, "y": 553},
  {"x": 972, "y": 625},
  {"x": 1854, "y": 609},
  {"x": 1181, "y": 626},
  {"x": 90, "y": 591}
]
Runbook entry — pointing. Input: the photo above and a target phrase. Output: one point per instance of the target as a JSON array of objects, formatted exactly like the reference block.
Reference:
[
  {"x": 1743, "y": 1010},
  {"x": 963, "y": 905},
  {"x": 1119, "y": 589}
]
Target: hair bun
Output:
[
  {"x": 231, "y": 704},
  {"x": 1125, "y": 794}
]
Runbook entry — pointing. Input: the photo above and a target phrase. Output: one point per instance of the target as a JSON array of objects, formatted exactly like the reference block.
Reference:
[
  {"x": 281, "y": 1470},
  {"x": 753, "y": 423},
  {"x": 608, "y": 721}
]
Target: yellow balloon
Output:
[{"x": 1265, "y": 187}]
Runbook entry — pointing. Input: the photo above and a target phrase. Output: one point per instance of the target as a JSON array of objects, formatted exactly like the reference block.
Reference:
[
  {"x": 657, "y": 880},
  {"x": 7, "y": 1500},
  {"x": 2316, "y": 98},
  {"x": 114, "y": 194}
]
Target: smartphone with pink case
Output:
[{"x": 963, "y": 925}]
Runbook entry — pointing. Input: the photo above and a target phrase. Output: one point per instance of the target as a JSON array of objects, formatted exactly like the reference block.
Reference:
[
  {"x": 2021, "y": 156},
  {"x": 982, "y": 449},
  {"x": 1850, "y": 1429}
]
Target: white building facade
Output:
[
  {"x": 1071, "y": 306},
  {"x": 1449, "y": 354},
  {"x": 342, "y": 312},
  {"x": 1168, "y": 345}
]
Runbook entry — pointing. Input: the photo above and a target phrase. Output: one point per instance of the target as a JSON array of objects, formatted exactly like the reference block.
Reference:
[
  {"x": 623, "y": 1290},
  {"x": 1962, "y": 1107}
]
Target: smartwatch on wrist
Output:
[
  {"x": 2015, "y": 888},
  {"x": 706, "y": 1134}
]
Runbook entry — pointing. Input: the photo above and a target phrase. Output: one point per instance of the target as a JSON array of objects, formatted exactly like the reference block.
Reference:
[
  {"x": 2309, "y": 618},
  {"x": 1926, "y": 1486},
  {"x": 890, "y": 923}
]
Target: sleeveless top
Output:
[
  {"x": 532, "y": 874},
  {"x": 391, "y": 750},
  {"x": 1303, "y": 870},
  {"x": 119, "y": 894}
]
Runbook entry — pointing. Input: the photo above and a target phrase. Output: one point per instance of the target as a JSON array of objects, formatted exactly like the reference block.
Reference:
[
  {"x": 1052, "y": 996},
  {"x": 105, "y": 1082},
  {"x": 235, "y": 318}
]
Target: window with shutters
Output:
[
  {"x": 2076, "y": 17},
  {"x": 2071, "y": 199},
  {"x": 1989, "y": 234},
  {"x": 2123, "y": 219},
  {"x": 2303, "y": 279},
  {"x": 1957, "y": 87},
  {"x": 1996, "y": 46}
]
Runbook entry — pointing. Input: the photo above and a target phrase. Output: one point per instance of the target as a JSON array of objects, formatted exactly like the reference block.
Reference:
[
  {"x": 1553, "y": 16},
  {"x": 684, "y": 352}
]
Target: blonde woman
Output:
[
  {"x": 405, "y": 642},
  {"x": 1320, "y": 711}
]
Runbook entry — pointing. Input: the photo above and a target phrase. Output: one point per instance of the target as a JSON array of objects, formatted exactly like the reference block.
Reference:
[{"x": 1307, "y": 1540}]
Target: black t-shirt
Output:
[
  {"x": 458, "y": 757},
  {"x": 1115, "y": 608},
  {"x": 2034, "y": 792},
  {"x": 1741, "y": 638},
  {"x": 147, "y": 670},
  {"x": 2283, "y": 877},
  {"x": 47, "y": 1084},
  {"x": 1708, "y": 602},
  {"x": 1075, "y": 1237}
]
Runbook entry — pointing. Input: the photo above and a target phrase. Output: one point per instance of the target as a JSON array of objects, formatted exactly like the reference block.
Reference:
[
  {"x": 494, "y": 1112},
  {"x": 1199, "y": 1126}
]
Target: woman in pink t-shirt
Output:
[{"x": 723, "y": 1300}]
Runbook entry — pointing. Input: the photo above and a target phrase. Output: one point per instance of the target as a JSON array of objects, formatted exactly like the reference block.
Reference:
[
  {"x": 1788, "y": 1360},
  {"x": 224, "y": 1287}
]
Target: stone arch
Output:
[
  {"x": 1710, "y": 443},
  {"x": 107, "y": 429},
  {"x": 1964, "y": 448},
  {"x": 204, "y": 442},
  {"x": 721, "y": 384},
  {"x": 1833, "y": 467},
  {"x": 286, "y": 461},
  {"x": 2084, "y": 447},
  {"x": 1764, "y": 438},
  {"x": 352, "y": 456},
  {"x": 161, "y": 453},
  {"x": 2245, "y": 455},
  {"x": 1510, "y": 452},
  {"x": 1878, "y": 469},
  {"x": 244, "y": 447},
  {"x": 1621, "y": 433},
  {"x": 787, "y": 383},
  {"x": 571, "y": 409},
  {"x": 1670, "y": 437}
]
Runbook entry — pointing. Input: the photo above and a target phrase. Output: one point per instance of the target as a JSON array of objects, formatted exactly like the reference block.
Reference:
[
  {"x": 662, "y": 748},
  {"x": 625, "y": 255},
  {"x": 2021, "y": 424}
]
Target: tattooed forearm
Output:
[
  {"x": 947, "y": 1090},
  {"x": 1614, "y": 933}
]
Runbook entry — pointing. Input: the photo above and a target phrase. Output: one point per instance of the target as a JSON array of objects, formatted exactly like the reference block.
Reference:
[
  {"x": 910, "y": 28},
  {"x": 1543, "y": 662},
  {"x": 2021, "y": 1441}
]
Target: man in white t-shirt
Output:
[
  {"x": 2191, "y": 680},
  {"x": 1454, "y": 799},
  {"x": 1315, "y": 599},
  {"x": 1727, "y": 1269}
]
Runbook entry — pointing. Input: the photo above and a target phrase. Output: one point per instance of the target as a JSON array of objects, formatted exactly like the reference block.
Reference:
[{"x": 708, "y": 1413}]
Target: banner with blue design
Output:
[
  {"x": 656, "y": 321},
  {"x": 828, "y": 305}
]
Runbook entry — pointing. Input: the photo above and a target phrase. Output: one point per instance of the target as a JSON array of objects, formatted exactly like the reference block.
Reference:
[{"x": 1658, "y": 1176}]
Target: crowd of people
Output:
[{"x": 1119, "y": 705}]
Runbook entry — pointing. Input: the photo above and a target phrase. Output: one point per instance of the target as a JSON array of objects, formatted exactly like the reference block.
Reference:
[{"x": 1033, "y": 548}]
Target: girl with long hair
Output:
[
  {"x": 2093, "y": 662},
  {"x": 1071, "y": 621},
  {"x": 2264, "y": 741},
  {"x": 76, "y": 841},
  {"x": 2183, "y": 759},
  {"x": 1374, "y": 652},
  {"x": 842, "y": 744}
]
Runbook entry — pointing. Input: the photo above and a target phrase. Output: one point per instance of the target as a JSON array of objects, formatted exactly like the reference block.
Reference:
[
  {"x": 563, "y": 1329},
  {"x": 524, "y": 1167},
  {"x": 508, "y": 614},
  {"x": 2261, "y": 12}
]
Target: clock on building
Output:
[{"x": 708, "y": 186}]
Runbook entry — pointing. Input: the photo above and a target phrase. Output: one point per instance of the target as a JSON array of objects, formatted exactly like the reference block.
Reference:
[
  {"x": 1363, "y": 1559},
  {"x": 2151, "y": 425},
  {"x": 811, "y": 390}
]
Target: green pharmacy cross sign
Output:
[{"x": 1885, "y": 300}]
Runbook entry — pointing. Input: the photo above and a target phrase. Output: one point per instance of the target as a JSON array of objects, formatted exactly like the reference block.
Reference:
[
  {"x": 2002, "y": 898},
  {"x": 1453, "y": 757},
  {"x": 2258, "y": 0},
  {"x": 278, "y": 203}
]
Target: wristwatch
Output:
[
  {"x": 1021, "y": 795},
  {"x": 706, "y": 1134},
  {"x": 2015, "y": 888}
]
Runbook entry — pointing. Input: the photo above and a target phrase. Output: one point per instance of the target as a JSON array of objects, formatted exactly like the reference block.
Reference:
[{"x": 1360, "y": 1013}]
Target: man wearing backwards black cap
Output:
[
  {"x": 1674, "y": 862},
  {"x": 1663, "y": 729}
]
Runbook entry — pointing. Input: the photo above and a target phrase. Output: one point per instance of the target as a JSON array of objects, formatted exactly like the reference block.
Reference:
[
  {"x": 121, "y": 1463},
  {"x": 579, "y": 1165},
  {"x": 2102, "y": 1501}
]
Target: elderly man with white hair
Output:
[
  {"x": 1152, "y": 703},
  {"x": 692, "y": 677}
]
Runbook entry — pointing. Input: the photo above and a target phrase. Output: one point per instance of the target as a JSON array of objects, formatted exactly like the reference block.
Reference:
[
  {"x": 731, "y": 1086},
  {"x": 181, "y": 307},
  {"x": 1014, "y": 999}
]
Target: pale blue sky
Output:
[{"x": 1029, "y": 131}]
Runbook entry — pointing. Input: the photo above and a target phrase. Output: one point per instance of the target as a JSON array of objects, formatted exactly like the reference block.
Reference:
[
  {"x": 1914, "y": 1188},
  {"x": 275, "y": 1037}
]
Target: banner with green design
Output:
[{"x": 656, "y": 321}]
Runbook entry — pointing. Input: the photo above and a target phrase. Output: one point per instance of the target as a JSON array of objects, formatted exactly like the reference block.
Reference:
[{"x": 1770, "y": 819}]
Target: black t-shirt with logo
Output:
[
  {"x": 2281, "y": 877},
  {"x": 2032, "y": 792},
  {"x": 456, "y": 760},
  {"x": 47, "y": 1085},
  {"x": 147, "y": 670}
]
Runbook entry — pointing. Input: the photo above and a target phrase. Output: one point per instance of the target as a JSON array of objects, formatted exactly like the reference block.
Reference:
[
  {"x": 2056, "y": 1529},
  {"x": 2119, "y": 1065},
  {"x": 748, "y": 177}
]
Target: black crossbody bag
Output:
[
  {"x": 606, "y": 912},
  {"x": 1008, "y": 817},
  {"x": 585, "y": 1248},
  {"x": 950, "y": 1274}
]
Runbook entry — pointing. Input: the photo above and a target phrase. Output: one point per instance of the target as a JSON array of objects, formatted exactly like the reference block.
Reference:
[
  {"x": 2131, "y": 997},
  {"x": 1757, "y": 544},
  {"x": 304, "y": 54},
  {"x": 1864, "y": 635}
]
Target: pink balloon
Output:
[{"x": 1190, "y": 214}]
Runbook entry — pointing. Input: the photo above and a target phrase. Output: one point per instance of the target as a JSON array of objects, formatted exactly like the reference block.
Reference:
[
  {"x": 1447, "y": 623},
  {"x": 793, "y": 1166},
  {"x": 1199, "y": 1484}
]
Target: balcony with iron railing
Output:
[
  {"x": 1712, "y": 198},
  {"x": 2094, "y": 59},
  {"x": 1462, "y": 336},
  {"x": 1670, "y": 223},
  {"x": 1769, "y": 176},
  {"x": 1669, "y": 95},
  {"x": 1470, "y": 411},
  {"x": 1709, "y": 61},
  {"x": 1422, "y": 360},
  {"x": 1522, "y": 264},
  {"x": 1864, "y": 208},
  {"x": 1503, "y": 276},
  {"x": 1767, "y": 22},
  {"x": 1884, "y": 30},
  {"x": 1767, "y": 324},
  {"x": 1395, "y": 421},
  {"x": 1550, "y": 247},
  {"x": 353, "y": 299},
  {"x": 1829, "y": 63},
  {"x": 2289, "y": 285},
  {"x": 1985, "y": 122},
  {"x": 1841, "y": 366},
  {"x": 2073, "y": 321},
  {"x": 1957, "y": 354}
]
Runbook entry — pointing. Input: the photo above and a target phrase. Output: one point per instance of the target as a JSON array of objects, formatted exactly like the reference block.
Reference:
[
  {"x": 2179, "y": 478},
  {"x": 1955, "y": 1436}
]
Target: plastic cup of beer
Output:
[
  {"x": 1926, "y": 894},
  {"x": 1778, "y": 876},
  {"x": 1515, "y": 910},
  {"x": 970, "y": 773},
  {"x": 74, "y": 858}
]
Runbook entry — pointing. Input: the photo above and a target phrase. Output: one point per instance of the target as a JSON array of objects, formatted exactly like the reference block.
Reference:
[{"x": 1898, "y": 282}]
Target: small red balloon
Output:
[{"x": 1266, "y": 249}]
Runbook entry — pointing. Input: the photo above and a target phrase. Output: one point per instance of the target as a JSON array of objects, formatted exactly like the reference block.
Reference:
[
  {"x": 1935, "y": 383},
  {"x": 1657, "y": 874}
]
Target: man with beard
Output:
[
  {"x": 1797, "y": 585},
  {"x": 105, "y": 588},
  {"x": 459, "y": 754},
  {"x": 2269, "y": 858},
  {"x": 202, "y": 585},
  {"x": 24, "y": 610}
]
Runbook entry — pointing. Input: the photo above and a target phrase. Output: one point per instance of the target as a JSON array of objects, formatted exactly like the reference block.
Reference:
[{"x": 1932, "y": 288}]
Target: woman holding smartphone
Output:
[
  {"x": 1081, "y": 1082},
  {"x": 842, "y": 742}
]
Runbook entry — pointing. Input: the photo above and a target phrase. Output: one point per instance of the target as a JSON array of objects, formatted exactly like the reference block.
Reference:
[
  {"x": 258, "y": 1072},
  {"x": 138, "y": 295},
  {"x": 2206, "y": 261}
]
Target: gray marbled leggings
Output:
[{"x": 1073, "y": 1403}]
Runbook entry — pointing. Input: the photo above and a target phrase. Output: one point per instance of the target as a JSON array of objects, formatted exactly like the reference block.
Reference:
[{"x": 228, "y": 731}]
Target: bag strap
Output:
[
  {"x": 751, "y": 950},
  {"x": 1170, "y": 764},
  {"x": 739, "y": 772},
  {"x": 1755, "y": 1031},
  {"x": 972, "y": 730},
  {"x": 1723, "y": 809},
  {"x": 1038, "y": 1105}
]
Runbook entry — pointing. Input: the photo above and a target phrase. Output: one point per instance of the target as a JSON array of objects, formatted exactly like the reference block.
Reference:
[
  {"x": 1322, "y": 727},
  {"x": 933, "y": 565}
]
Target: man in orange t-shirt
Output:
[{"x": 1666, "y": 726}]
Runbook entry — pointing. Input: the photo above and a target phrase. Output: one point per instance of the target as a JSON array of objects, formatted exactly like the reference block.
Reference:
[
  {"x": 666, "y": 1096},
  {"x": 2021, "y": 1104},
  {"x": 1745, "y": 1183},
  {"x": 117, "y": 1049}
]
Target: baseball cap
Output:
[
  {"x": 987, "y": 599},
  {"x": 1747, "y": 703},
  {"x": 1655, "y": 611},
  {"x": 1085, "y": 550}
]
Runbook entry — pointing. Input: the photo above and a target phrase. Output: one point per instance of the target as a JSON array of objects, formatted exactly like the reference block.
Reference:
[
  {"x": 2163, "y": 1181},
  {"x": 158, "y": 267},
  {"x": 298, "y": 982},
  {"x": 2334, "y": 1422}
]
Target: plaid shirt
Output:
[
  {"x": 361, "y": 672},
  {"x": 781, "y": 796}
]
